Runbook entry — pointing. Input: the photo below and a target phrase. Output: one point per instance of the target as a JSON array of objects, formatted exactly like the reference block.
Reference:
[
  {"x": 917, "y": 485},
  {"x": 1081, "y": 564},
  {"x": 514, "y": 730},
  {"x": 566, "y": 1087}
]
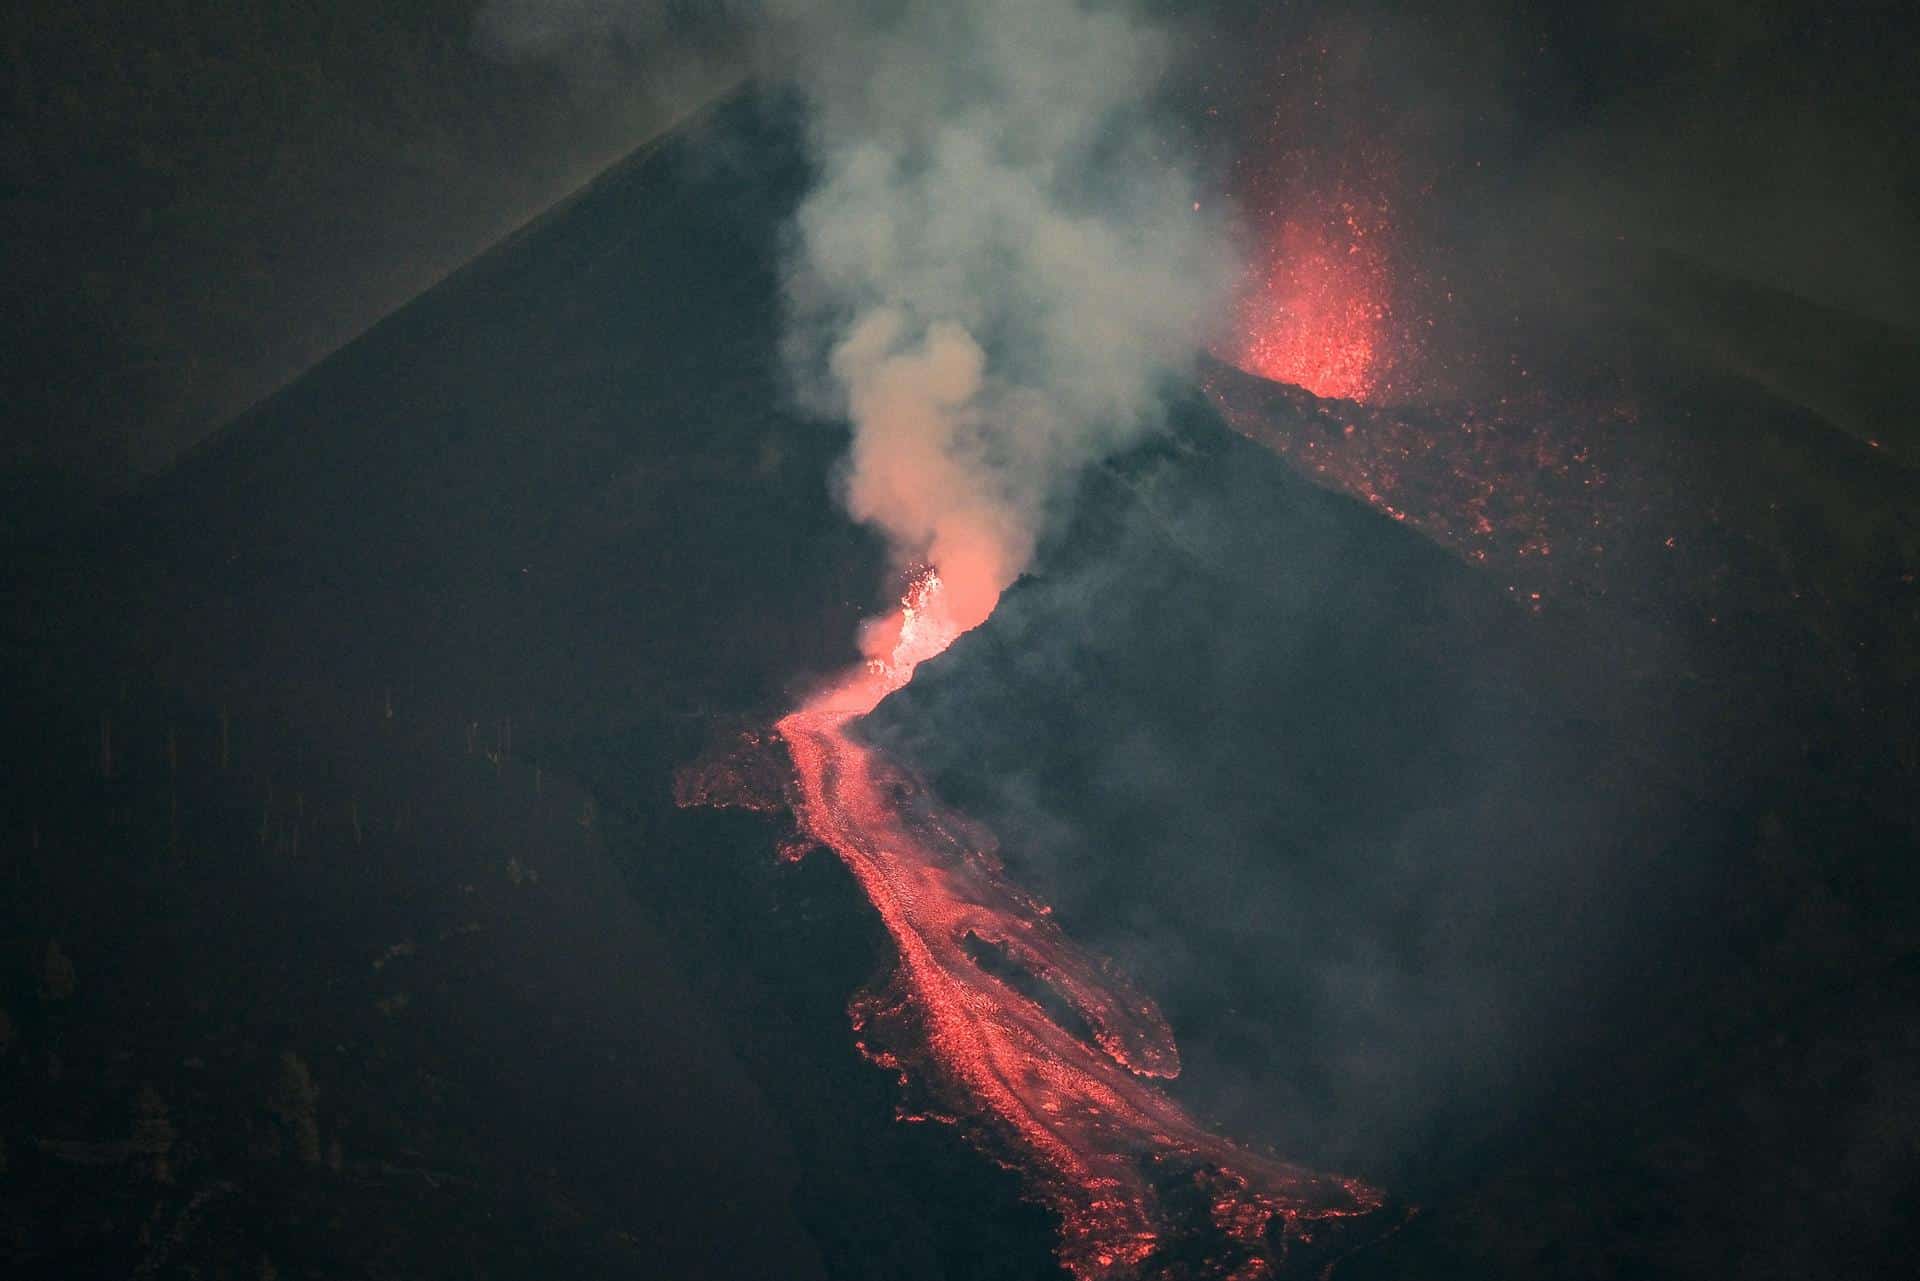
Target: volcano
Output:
[{"x": 361, "y": 929}]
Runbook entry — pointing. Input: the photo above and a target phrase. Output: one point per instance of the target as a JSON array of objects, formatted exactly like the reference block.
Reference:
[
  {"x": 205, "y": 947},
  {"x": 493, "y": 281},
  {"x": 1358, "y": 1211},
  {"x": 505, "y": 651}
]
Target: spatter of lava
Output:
[
  {"x": 1073, "y": 1109},
  {"x": 1535, "y": 492},
  {"x": 1314, "y": 310}
]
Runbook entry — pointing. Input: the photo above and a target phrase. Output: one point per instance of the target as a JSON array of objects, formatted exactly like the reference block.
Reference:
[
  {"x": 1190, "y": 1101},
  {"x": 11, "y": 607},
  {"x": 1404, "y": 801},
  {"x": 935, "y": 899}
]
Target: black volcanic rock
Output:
[
  {"x": 1313, "y": 773},
  {"x": 1512, "y": 913}
]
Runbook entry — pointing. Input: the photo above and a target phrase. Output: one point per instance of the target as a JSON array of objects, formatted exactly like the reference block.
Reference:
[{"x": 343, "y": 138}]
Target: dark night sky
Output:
[
  {"x": 202, "y": 199},
  {"x": 1777, "y": 139}
]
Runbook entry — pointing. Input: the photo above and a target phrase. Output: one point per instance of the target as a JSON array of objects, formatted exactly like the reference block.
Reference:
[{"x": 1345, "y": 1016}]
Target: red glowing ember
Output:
[
  {"x": 1315, "y": 309},
  {"x": 1546, "y": 494},
  {"x": 1097, "y": 1142}
]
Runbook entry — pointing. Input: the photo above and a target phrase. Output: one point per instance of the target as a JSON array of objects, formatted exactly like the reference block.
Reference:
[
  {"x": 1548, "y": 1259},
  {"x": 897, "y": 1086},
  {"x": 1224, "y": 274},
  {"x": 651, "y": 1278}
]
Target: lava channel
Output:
[{"x": 1078, "y": 1115}]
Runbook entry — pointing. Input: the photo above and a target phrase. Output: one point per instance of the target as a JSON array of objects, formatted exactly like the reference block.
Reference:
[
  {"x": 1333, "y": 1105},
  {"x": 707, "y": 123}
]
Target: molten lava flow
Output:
[{"x": 1098, "y": 1143}]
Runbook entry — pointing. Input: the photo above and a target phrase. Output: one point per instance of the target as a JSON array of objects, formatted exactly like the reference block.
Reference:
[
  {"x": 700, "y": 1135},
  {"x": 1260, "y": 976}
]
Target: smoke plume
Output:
[
  {"x": 1000, "y": 259},
  {"x": 999, "y": 263}
]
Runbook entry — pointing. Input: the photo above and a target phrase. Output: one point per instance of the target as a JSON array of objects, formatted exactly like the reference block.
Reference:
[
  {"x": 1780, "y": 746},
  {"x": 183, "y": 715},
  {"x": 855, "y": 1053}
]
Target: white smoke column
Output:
[
  {"x": 998, "y": 267},
  {"x": 1001, "y": 260}
]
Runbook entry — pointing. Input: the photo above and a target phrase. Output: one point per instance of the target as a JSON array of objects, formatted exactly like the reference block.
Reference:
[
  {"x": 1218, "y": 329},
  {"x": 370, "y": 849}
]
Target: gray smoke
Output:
[
  {"x": 1002, "y": 258},
  {"x": 1000, "y": 263}
]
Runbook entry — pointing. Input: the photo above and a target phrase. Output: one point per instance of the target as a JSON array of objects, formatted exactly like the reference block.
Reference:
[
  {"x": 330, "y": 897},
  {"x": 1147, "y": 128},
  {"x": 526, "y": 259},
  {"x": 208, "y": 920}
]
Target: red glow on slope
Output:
[
  {"x": 1315, "y": 308},
  {"x": 1548, "y": 495},
  {"x": 1095, "y": 1139},
  {"x": 1335, "y": 295}
]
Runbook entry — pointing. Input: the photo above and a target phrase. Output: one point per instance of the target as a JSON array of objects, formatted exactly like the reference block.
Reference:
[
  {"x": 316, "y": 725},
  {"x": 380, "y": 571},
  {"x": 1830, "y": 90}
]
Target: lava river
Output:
[{"x": 1073, "y": 1107}]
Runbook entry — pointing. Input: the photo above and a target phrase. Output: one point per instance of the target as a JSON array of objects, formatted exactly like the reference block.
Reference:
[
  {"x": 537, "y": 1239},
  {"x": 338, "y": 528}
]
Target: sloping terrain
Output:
[
  {"x": 1585, "y": 923},
  {"x": 352, "y": 929},
  {"x": 295, "y": 789}
]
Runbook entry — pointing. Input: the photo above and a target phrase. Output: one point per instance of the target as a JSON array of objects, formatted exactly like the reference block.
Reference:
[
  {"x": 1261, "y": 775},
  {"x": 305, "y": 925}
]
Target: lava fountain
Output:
[
  {"x": 1314, "y": 310},
  {"x": 1073, "y": 1108}
]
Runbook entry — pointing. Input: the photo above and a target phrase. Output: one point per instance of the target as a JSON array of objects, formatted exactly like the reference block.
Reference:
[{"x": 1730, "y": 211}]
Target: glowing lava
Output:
[
  {"x": 1098, "y": 1143},
  {"x": 1315, "y": 311}
]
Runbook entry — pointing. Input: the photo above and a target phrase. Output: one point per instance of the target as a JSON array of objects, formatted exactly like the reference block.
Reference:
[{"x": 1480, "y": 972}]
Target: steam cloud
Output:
[{"x": 1001, "y": 259}]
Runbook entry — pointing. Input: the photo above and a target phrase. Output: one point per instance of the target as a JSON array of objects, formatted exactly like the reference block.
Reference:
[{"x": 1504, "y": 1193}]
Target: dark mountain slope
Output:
[
  {"x": 294, "y": 779},
  {"x": 590, "y": 415},
  {"x": 352, "y": 929},
  {"x": 1547, "y": 920}
]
